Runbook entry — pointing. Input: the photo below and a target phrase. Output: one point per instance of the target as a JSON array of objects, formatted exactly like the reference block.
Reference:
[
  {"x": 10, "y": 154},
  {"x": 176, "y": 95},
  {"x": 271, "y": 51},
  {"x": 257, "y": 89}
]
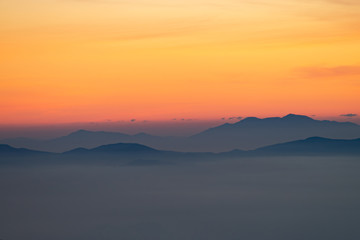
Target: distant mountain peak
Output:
[
  {"x": 80, "y": 131},
  {"x": 5, "y": 147},
  {"x": 292, "y": 116},
  {"x": 124, "y": 147},
  {"x": 316, "y": 138},
  {"x": 249, "y": 119}
]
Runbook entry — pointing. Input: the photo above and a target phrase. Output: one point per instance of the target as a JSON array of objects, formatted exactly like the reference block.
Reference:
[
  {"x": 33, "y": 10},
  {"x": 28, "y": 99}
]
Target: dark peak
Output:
[
  {"x": 80, "y": 131},
  {"x": 250, "y": 119},
  {"x": 297, "y": 117},
  {"x": 255, "y": 120},
  {"x": 224, "y": 125},
  {"x": 316, "y": 138},
  {"x": 5, "y": 146},
  {"x": 287, "y": 117},
  {"x": 123, "y": 147}
]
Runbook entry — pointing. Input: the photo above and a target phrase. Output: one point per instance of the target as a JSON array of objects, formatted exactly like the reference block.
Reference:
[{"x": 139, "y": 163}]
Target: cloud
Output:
[
  {"x": 233, "y": 118},
  {"x": 320, "y": 72},
  {"x": 349, "y": 115},
  {"x": 185, "y": 119},
  {"x": 344, "y": 2}
]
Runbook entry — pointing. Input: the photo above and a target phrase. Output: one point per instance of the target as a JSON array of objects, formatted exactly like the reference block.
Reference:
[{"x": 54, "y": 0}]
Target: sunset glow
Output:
[{"x": 90, "y": 60}]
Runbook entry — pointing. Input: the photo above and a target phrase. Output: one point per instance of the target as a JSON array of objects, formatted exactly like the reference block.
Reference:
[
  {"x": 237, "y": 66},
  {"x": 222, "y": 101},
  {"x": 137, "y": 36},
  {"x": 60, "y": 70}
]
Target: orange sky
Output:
[{"x": 91, "y": 60}]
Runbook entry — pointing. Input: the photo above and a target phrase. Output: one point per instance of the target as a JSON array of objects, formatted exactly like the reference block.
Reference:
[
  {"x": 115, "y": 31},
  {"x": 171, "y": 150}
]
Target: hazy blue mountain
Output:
[
  {"x": 311, "y": 147},
  {"x": 80, "y": 138},
  {"x": 22, "y": 156},
  {"x": 137, "y": 154},
  {"x": 120, "y": 153},
  {"x": 129, "y": 148},
  {"x": 6, "y": 150},
  {"x": 249, "y": 133},
  {"x": 88, "y": 139},
  {"x": 132, "y": 154}
]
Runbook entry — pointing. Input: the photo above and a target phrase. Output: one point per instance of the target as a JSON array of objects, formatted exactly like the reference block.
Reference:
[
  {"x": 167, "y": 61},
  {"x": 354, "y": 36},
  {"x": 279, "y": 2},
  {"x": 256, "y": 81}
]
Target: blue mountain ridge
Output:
[{"x": 247, "y": 134}]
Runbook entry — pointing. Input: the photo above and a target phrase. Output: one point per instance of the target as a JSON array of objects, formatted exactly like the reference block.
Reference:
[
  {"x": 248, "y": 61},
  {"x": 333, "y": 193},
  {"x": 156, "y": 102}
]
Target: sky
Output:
[{"x": 66, "y": 61}]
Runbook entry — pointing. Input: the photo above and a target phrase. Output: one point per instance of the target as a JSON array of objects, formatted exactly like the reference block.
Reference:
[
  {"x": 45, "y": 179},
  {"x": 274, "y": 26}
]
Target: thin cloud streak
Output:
[
  {"x": 344, "y": 2},
  {"x": 349, "y": 115},
  {"x": 323, "y": 72}
]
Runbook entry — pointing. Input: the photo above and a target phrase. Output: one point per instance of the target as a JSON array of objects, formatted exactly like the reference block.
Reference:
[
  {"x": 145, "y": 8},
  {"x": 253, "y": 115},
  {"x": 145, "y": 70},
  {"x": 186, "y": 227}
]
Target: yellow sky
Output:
[{"x": 89, "y": 60}]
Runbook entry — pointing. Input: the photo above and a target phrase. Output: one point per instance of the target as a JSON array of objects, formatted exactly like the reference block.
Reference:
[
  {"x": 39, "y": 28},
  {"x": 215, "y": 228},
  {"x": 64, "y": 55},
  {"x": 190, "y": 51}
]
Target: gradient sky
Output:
[{"x": 65, "y": 61}]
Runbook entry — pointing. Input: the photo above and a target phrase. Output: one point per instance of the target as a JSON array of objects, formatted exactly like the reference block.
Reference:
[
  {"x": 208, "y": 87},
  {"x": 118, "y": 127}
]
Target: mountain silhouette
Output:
[
  {"x": 313, "y": 146},
  {"x": 137, "y": 154},
  {"x": 120, "y": 148},
  {"x": 119, "y": 153},
  {"x": 22, "y": 156},
  {"x": 80, "y": 139},
  {"x": 6, "y": 150},
  {"x": 252, "y": 132},
  {"x": 249, "y": 133}
]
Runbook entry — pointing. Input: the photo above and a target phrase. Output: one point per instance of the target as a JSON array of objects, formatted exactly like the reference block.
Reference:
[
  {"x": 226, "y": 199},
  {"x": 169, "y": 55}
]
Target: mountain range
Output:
[
  {"x": 252, "y": 132},
  {"x": 133, "y": 153},
  {"x": 249, "y": 133}
]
